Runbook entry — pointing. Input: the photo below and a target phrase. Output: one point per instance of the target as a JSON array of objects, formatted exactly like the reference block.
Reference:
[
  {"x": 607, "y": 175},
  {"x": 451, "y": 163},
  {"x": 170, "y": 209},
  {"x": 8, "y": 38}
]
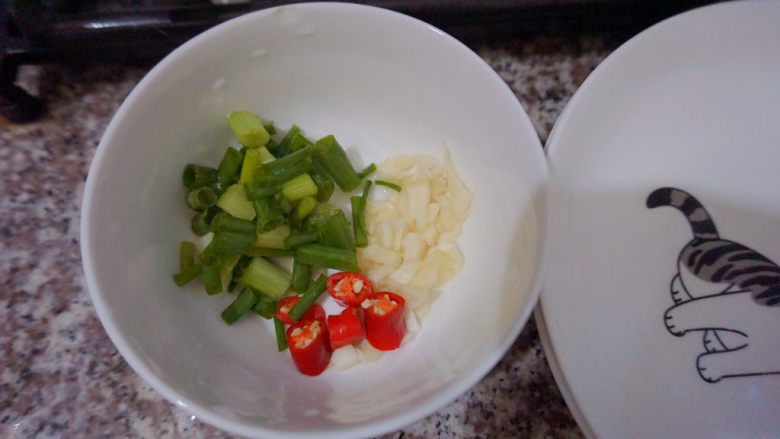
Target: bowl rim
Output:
[{"x": 402, "y": 418}]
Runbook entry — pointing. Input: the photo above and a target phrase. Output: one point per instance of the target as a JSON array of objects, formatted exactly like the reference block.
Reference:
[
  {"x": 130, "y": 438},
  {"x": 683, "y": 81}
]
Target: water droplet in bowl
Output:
[
  {"x": 305, "y": 31},
  {"x": 219, "y": 84},
  {"x": 220, "y": 101},
  {"x": 259, "y": 53}
]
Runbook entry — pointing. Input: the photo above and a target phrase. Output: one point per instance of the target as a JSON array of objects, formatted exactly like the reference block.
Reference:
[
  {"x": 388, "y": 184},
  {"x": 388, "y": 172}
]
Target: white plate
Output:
[{"x": 692, "y": 103}]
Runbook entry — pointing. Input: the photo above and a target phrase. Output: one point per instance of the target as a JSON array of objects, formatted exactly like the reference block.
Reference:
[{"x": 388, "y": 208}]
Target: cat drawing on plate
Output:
[{"x": 725, "y": 291}]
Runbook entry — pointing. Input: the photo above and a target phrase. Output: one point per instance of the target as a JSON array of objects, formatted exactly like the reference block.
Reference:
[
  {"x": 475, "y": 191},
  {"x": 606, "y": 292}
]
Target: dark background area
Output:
[{"x": 133, "y": 31}]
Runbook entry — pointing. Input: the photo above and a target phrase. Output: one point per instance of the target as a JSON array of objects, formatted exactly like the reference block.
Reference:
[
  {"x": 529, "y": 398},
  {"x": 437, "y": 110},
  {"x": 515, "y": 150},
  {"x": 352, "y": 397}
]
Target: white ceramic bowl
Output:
[{"x": 384, "y": 84}]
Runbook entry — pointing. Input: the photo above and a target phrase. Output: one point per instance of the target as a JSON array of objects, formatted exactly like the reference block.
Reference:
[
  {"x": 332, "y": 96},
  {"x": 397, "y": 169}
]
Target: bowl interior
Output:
[{"x": 383, "y": 84}]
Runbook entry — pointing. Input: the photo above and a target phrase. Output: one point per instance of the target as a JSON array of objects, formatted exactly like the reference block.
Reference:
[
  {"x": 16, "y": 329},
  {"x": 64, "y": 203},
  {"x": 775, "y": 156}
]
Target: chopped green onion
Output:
[
  {"x": 301, "y": 276},
  {"x": 224, "y": 243},
  {"x": 299, "y": 142},
  {"x": 201, "y": 198},
  {"x": 248, "y": 128},
  {"x": 229, "y": 165},
  {"x": 269, "y": 127},
  {"x": 187, "y": 274},
  {"x": 282, "y": 203},
  {"x": 271, "y": 252},
  {"x": 255, "y": 191},
  {"x": 229, "y": 263},
  {"x": 240, "y": 266},
  {"x": 251, "y": 161},
  {"x": 323, "y": 181},
  {"x": 333, "y": 229},
  {"x": 359, "y": 216},
  {"x": 370, "y": 169},
  {"x": 334, "y": 159},
  {"x": 296, "y": 239},
  {"x": 358, "y": 221},
  {"x": 284, "y": 146},
  {"x": 268, "y": 214},
  {"x": 234, "y": 202},
  {"x": 195, "y": 176},
  {"x": 273, "y": 238},
  {"x": 392, "y": 186},
  {"x": 253, "y": 158},
  {"x": 328, "y": 257},
  {"x": 186, "y": 254},
  {"x": 223, "y": 222},
  {"x": 201, "y": 222},
  {"x": 309, "y": 297},
  {"x": 299, "y": 187},
  {"x": 303, "y": 209},
  {"x": 243, "y": 303},
  {"x": 265, "y": 278},
  {"x": 284, "y": 168},
  {"x": 265, "y": 155},
  {"x": 281, "y": 337},
  {"x": 265, "y": 306},
  {"x": 212, "y": 279}
]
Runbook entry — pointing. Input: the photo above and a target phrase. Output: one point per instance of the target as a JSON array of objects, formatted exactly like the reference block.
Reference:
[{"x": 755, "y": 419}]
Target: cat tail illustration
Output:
[{"x": 701, "y": 223}]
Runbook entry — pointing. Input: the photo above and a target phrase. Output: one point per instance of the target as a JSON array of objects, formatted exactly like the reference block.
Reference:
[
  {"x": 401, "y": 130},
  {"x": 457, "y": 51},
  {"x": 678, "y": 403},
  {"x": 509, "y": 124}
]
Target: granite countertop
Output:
[{"x": 60, "y": 375}]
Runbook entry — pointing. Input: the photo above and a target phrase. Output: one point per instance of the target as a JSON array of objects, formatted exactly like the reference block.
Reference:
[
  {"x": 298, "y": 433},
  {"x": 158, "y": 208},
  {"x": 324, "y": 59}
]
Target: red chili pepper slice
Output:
[
  {"x": 348, "y": 288},
  {"x": 345, "y": 328},
  {"x": 309, "y": 346},
  {"x": 384, "y": 317},
  {"x": 285, "y": 305}
]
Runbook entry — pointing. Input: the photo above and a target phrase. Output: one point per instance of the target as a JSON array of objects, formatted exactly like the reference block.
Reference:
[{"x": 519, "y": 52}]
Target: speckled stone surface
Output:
[{"x": 60, "y": 375}]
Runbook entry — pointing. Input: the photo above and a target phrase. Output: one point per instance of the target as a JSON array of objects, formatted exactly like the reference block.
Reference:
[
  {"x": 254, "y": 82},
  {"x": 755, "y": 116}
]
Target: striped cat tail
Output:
[{"x": 701, "y": 223}]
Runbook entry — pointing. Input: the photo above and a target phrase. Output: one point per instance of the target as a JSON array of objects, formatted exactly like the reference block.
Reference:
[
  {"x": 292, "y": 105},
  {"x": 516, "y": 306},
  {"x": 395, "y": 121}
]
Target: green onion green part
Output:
[
  {"x": 359, "y": 216},
  {"x": 268, "y": 214},
  {"x": 186, "y": 254},
  {"x": 334, "y": 159},
  {"x": 328, "y": 257},
  {"x": 325, "y": 186},
  {"x": 309, "y": 297},
  {"x": 299, "y": 238},
  {"x": 229, "y": 165},
  {"x": 256, "y": 191},
  {"x": 370, "y": 169},
  {"x": 281, "y": 337},
  {"x": 387, "y": 184},
  {"x": 284, "y": 168},
  {"x": 225, "y": 243},
  {"x": 195, "y": 176},
  {"x": 187, "y": 274},
  {"x": 248, "y": 128},
  {"x": 358, "y": 221},
  {"x": 201, "y": 198},
  {"x": 265, "y": 306},
  {"x": 301, "y": 276},
  {"x": 212, "y": 279},
  {"x": 223, "y": 222},
  {"x": 333, "y": 229},
  {"x": 265, "y": 278},
  {"x": 271, "y": 252},
  {"x": 201, "y": 222},
  {"x": 284, "y": 148},
  {"x": 243, "y": 303},
  {"x": 269, "y": 127}
]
